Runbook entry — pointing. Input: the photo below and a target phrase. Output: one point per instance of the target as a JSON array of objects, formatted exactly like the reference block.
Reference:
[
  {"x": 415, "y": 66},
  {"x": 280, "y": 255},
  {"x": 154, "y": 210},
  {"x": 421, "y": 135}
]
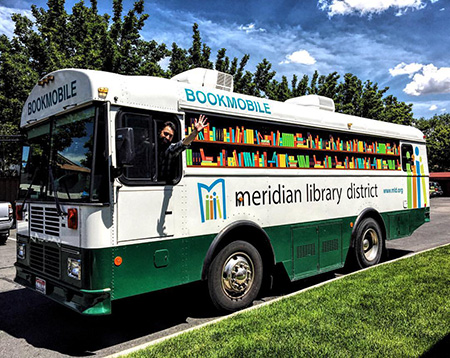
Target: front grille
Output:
[
  {"x": 45, "y": 258},
  {"x": 44, "y": 220}
]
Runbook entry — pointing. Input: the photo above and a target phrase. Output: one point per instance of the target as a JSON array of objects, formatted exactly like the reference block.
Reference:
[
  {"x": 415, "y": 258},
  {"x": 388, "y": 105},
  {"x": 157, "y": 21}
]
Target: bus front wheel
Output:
[
  {"x": 368, "y": 243},
  {"x": 235, "y": 276}
]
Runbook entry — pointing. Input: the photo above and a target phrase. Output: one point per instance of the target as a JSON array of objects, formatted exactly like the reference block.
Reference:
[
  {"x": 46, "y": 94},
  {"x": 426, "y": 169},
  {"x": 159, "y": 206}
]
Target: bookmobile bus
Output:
[{"x": 266, "y": 186}]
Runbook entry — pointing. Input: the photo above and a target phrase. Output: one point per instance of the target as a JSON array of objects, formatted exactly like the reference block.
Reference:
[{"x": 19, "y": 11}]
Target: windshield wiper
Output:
[
  {"x": 27, "y": 194},
  {"x": 60, "y": 211}
]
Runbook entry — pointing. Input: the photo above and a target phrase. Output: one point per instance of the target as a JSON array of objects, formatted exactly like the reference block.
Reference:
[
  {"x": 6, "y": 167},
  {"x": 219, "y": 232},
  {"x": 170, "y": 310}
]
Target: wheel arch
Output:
[
  {"x": 243, "y": 230},
  {"x": 369, "y": 213}
]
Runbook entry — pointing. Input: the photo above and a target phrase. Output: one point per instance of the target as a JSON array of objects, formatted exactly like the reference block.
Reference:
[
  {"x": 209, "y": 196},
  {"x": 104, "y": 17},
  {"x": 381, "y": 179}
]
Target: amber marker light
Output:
[
  {"x": 118, "y": 261},
  {"x": 351, "y": 224},
  {"x": 102, "y": 92}
]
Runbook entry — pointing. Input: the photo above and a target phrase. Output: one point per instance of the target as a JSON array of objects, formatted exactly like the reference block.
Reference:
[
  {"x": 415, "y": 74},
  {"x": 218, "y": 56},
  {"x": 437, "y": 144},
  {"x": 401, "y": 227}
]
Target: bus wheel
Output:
[
  {"x": 235, "y": 276},
  {"x": 368, "y": 244}
]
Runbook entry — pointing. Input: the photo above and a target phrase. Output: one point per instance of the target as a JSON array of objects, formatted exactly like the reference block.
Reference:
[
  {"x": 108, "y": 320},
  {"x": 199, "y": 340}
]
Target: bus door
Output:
[{"x": 144, "y": 198}]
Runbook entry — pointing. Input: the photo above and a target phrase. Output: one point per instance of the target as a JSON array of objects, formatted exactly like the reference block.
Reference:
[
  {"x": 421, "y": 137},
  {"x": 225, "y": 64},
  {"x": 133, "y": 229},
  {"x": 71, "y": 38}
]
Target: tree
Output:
[
  {"x": 349, "y": 92},
  {"x": 16, "y": 78},
  {"x": 178, "y": 60},
  {"x": 396, "y": 112},
  {"x": 312, "y": 89},
  {"x": 328, "y": 85},
  {"x": 372, "y": 101},
  {"x": 243, "y": 81},
  {"x": 280, "y": 91},
  {"x": 437, "y": 131},
  {"x": 222, "y": 61},
  {"x": 302, "y": 88},
  {"x": 199, "y": 53},
  {"x": 86, "y": 39},
  {"x": 262, "y": 78},
  {"x": 82, "y": 39}
]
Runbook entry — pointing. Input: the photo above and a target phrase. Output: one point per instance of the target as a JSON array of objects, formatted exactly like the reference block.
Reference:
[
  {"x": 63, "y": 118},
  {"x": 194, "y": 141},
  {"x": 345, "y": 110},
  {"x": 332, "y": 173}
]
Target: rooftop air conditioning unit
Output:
[
  {"x": 206, "y": 78},
  {"x": 313, "y": 100}
]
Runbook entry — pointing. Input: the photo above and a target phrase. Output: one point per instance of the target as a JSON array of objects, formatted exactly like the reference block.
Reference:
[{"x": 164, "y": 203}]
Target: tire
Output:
[
  {"x": 3, "y": 238},
  {"x": 235, "y": 276},
  {"x": 368, "y": 246}
]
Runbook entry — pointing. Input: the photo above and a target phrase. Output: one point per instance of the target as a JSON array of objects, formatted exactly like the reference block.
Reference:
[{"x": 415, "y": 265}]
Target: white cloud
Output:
[
  {"x": 365, "y": 7},
  {"x": 404, "y": 69},
  {"x": 6, "y": 23},
  {"x": 430, "y": 80},
  {"x": 302, "y": 56},
  {"x": 249, "y": 28},
  {"x": 433, "y": 107}
]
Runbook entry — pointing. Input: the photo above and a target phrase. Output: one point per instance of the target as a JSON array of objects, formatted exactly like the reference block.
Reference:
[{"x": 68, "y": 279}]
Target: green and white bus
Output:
[{"x": 267, "y": 186}]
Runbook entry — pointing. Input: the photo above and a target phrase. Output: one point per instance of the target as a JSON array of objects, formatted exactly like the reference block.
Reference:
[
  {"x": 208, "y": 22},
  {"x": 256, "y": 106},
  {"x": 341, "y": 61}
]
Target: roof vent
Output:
[
  {"x": 206, "y": 78},
  {"x": 313, "y": 100}
]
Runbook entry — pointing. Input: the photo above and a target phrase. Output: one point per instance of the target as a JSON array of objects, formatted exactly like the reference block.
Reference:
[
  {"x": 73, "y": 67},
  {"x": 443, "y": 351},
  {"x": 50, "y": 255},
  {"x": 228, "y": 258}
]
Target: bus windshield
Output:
[{"x": 59, "y": 162}]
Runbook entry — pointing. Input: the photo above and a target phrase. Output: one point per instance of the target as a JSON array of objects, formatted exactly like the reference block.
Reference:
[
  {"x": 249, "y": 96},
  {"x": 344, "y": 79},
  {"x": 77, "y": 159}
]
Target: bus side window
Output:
[
  {"x": 141, "y": 167},
  {"x": 407, "y": 156}
]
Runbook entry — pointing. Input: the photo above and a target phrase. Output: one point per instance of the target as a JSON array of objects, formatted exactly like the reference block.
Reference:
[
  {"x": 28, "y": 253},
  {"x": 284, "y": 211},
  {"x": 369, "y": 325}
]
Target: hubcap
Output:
[
  {"x": 237, "y": 275},
  {"x": 370, "y": 244}
]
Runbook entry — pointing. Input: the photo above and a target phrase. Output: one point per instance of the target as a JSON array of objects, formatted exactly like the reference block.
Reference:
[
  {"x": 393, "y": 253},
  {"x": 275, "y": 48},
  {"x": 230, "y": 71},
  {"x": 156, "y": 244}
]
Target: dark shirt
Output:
[{"x": 166, "y": 168}]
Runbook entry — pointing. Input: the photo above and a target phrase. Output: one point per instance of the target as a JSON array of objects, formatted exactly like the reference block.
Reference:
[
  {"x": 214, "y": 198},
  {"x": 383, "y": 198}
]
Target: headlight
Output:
[
  {"x": 74, "y": 268},
  {"x": 21, "y": 250}
]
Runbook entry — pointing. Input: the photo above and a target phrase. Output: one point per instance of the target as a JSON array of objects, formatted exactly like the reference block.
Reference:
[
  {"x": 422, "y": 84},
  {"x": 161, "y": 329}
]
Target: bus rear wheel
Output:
[
  {"x": 368, "y": 243},
  {"x": 235, "y": 276}
]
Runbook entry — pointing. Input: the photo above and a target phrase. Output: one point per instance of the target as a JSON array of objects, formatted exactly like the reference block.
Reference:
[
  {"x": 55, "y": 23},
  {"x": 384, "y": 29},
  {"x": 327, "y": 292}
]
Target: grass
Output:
[{"x": 397, "y": 310}]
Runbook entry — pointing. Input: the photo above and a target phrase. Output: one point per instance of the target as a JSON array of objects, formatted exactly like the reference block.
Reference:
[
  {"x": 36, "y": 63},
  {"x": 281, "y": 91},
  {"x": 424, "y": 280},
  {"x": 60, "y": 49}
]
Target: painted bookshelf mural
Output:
[{"x": 262, "y": 145}]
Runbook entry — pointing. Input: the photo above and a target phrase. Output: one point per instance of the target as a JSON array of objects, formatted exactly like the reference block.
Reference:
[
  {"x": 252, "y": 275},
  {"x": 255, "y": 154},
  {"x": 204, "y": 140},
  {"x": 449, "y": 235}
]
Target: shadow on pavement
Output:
[
  {"x": 393, "y": 254},
  {"x": 45, "y": 324},
  {"x": 440, "y": 349}
]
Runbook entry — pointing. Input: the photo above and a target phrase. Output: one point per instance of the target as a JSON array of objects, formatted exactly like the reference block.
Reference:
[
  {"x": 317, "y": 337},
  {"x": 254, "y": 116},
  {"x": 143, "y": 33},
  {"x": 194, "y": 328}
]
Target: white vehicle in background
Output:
[{"x": 6, "y": 221}]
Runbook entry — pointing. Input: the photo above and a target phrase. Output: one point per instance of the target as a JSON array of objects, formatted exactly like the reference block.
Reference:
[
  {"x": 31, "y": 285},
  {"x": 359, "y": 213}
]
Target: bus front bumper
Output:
[{"x": 87, "y": 302}]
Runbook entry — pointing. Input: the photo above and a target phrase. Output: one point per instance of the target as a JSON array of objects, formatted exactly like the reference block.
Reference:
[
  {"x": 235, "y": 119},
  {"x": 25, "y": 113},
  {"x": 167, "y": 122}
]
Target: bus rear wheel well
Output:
[
  {"x": 242, "y": 231},
  {"x": 375, "y": 215},
  {"x": 368, "y": 240}
]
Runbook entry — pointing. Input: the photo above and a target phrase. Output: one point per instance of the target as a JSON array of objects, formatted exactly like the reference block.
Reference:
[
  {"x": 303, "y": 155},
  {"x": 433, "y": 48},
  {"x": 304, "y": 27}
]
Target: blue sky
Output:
[{"x": 402, "y": 44}]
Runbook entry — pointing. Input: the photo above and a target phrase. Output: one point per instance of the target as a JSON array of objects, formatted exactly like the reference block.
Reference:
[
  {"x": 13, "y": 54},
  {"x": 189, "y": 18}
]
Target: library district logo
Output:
[
  {"x": 416, "y": 187},
  {"x": 212, "y": 200}
]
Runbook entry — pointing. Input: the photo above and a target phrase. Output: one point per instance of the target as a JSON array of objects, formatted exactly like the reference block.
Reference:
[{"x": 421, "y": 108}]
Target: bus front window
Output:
[
  {"x": 71, "y": 156},
  {"x": 61, "y": 159},
  {"x": 34, "y": 171}
]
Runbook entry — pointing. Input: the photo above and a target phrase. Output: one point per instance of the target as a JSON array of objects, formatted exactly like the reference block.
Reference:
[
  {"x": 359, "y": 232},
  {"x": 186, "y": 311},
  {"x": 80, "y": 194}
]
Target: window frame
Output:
[
  {"x": 156, "y": 119},
  {"x": 405, "y": 148}
]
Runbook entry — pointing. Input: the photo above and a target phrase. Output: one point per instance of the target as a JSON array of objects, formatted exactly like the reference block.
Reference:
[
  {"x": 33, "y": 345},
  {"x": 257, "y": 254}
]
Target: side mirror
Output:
[{"x": 125, "y": 147}]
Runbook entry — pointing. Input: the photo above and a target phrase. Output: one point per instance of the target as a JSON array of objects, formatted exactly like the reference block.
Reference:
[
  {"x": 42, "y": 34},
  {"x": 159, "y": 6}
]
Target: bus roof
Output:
[{"x": 70, "y": 88}]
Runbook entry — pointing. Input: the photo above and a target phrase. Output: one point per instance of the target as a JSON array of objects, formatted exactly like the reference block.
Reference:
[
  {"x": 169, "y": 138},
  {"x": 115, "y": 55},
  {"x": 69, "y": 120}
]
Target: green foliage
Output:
[
  {"x": 395, "y": 310},
  {"x": 437, "y": 131},
  {"x": 56, "y": 39}
]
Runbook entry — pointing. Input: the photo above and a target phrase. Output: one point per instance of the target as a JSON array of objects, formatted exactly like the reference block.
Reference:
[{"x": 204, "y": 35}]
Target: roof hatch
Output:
[{"x": 313, "y": 100}]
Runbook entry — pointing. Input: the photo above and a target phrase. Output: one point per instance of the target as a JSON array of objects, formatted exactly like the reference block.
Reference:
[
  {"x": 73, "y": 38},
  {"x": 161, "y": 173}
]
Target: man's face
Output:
[{"x": 166, "y": 135}]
